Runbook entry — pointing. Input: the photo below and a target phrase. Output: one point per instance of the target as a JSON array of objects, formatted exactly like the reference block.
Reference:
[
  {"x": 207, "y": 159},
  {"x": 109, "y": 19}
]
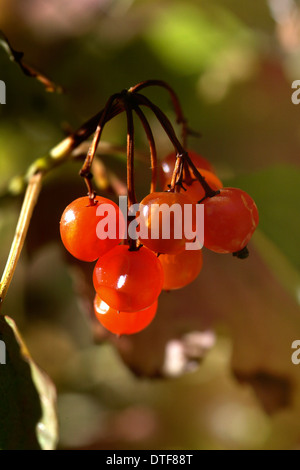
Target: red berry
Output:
[
  {"x": 168, "y": 164},
  {"x": 123, "y": 323},
  {"x": 181, "y": 269},
  {"x": 164, "y": 220},
  {"x": 78, "y": 228},
  {"x": 196, "y": 192},
  {"x": 230, "y": 220},
  {"x": 127, "y": 280}
]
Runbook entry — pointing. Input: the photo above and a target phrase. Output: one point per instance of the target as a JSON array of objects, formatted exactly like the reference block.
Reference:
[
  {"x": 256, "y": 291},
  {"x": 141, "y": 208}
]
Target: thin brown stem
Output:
[
  {"x": 130, "y": 156},
  {"x": 66, "y": 146},
  {"x": 30, "y": 199},
  {"x": 176, "y": 181},
  {"x": 167, "y": 126},
  {"x": 209, "y": 192},
  {"x": 85, "y": 171},
  {"x": 163, "y": 119},
  {"x": 175, "y": 101},
  {"x": 130, "y": 166},
  {"x": 153, "y": 152}
]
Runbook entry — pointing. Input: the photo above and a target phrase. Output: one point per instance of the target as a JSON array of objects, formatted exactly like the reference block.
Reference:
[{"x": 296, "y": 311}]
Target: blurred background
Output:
[{"x": 214, "y": 369}]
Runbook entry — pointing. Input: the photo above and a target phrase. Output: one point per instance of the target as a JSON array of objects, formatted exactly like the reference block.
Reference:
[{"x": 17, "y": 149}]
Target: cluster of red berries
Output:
[
  {"x": 230, "y": 217},
  {"x": 128, "y": 278}
]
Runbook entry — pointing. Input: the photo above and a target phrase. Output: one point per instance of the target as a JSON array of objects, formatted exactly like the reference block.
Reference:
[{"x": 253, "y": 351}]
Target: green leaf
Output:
[{"x": 27, "y": 406}]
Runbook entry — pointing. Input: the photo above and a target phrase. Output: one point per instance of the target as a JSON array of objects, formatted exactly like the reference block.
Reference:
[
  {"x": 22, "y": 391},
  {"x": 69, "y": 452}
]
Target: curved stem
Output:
[
  {"x": 85, "y": 171},
  {"x": 130, "y": 156},
  {"x": 58, "y": 154},
  {"x": 130, "y": 166},
  {"x": 167, "y": 126},
  {"x": 152, "y": 146},
  {"x": 175, "y": 101},
  {"x": 66, "y": 146},
  {"x": 163, "y": 119}
]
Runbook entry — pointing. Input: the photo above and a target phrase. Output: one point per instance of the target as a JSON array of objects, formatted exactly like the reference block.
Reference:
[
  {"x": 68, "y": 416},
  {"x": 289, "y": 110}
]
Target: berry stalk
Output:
[
  {"x": 85, "y": 171},
  {"x": 175, "y": 101},
  {"x": 152, "y": 146},
  {"x": 167, "y": 126}
]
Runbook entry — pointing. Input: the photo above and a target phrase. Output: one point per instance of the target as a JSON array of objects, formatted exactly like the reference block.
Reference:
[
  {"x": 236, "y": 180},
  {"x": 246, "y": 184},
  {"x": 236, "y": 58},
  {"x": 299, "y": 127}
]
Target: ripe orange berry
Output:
[
  {"x": 78, "y": 228},
  {"x": 123, "y": 323},
  {"x": 164, "y": 220},
  {"x": 196, "y": 192},
  {"x": 230, "y": 220},
  {"x": 181, "y": 269},
  {"x": 128, "y": 281}
]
